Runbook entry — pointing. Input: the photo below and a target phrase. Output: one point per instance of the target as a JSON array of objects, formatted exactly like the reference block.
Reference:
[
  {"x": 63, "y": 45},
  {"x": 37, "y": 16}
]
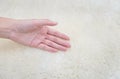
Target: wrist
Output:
[
  {"x": 5, "y": 33},
  {"x": 6, "y": 27}
]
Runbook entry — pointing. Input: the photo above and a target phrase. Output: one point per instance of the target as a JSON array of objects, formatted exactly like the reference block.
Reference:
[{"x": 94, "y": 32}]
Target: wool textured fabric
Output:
[{"x": 94, "y": 29}]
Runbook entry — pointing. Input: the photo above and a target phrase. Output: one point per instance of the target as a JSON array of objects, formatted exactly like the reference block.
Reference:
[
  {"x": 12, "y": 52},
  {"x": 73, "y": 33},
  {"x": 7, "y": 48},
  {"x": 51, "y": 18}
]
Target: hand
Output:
[{"x": 37, "y": 33}]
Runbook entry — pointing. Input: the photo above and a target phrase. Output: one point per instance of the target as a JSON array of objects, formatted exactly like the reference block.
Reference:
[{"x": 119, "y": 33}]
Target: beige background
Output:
[{"x": 94, "y": 28}]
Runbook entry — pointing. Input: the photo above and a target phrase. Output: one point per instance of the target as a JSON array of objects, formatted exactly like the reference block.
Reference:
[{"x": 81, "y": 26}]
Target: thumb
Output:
[{"x": 45, "y": 22}]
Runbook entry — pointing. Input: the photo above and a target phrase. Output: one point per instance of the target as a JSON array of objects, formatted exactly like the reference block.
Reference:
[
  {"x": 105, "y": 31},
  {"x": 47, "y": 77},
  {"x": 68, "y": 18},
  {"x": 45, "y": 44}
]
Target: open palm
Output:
[{"x": 38, "y": 34}]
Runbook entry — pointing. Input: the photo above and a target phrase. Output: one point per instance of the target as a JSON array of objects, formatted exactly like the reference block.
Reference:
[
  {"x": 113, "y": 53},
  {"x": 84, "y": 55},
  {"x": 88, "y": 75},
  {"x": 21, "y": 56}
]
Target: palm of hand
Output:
[{"x": 39, "y": 35}]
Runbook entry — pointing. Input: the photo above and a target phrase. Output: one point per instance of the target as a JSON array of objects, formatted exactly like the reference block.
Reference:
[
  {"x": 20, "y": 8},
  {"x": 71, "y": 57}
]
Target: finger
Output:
[
  {"x": 58, "y": 40},
  {"x": 45, "y": 22},
  {"x": 54, "y": 45},
  {"x": 47, "y": 48},
  {"x": 36, "y": 41},
  {"x": 58, "y": 34}
]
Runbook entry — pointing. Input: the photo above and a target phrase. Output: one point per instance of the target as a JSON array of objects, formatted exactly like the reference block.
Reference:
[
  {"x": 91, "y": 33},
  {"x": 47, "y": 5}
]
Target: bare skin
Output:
[{"x": 34, "y": 33}]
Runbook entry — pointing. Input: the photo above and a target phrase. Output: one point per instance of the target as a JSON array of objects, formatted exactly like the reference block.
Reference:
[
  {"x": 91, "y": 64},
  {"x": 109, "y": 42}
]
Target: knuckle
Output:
[
  {"x": 55, "y": 39},
  {"x": 42, "y": 46},
  {"x": 50, "y": 43},
  {"x": 48, "y": 37},
  {"x": 55, "y": 33}
]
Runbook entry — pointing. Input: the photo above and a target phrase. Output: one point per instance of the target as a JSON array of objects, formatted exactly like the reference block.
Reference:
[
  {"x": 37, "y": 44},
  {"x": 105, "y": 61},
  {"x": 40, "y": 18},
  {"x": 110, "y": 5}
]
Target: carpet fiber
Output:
[{"x": 94, "y": 29}]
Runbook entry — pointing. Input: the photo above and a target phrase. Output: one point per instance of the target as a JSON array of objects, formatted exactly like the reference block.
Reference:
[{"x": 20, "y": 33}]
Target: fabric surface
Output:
[{"x": 94, "y": 29}]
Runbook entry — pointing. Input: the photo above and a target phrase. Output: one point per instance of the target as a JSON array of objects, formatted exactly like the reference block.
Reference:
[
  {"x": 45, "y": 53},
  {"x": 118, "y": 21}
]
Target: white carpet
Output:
[{"x": 94, "y": 28}]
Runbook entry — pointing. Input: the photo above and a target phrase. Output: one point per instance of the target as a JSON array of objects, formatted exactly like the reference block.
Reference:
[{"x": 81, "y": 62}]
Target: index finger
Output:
[{"x": 58, "y": 34}]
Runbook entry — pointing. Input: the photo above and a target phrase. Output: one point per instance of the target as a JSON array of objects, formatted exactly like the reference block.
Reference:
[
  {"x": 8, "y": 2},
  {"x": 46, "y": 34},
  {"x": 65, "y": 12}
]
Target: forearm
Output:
[
  {"x": 5, "y": 24},
  {"x": 5, "y": 33}
]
